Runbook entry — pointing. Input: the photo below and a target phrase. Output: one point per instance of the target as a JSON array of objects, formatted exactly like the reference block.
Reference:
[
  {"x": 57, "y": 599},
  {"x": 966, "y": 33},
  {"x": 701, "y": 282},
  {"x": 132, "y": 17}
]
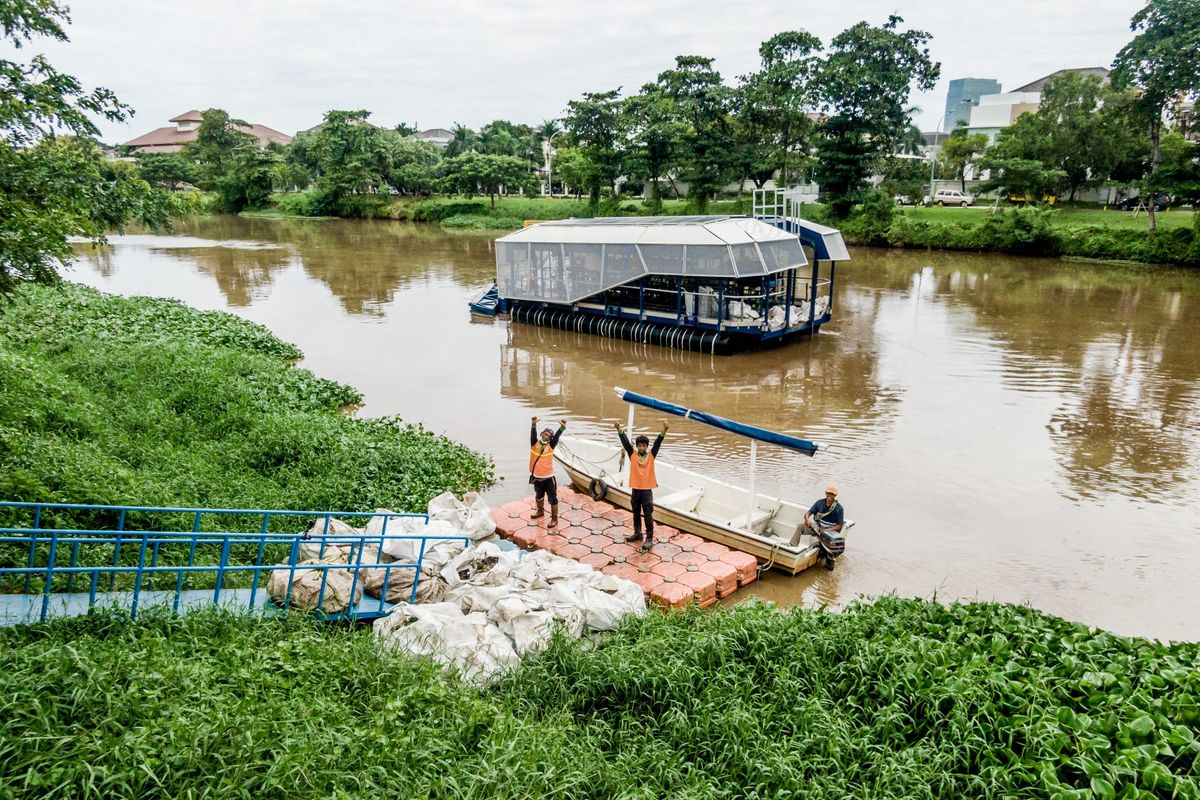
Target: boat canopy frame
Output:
[{"x": 751, "y": 432}]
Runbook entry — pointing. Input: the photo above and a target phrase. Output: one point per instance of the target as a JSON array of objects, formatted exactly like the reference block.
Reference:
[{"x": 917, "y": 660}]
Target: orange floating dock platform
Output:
[{"x": 680, "y": 568}]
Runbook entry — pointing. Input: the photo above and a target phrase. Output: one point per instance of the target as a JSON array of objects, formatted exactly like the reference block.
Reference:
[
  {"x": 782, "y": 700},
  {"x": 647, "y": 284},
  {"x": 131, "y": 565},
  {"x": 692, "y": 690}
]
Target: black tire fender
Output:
[{"x": 598, "y": 489}]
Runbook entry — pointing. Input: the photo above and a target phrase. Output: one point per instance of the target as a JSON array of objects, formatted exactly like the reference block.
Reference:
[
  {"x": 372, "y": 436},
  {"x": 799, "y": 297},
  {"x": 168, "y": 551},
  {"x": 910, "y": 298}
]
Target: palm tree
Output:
[
  {"x": 462, "y": 140},
  {"x": 546, "y": 129},
  {"x": 911, "y": 141}
]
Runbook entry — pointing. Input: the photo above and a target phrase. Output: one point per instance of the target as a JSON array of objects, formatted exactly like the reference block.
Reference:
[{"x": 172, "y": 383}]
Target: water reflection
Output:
[
  {"x": 243, "y": 275},
  {"x": 363, "y": 263},
  {"x": 1115, "y": 346}
]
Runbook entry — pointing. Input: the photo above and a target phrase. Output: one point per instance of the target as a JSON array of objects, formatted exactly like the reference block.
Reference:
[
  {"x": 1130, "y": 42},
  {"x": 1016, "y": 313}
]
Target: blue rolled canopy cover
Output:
[{"x": 750, "y": 431}]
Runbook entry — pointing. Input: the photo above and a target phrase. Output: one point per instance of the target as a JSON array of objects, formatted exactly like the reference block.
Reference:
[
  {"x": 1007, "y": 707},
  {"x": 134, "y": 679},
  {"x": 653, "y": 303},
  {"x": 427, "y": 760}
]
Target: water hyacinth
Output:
[
  {"x": 142, "y": 401},
  {"x": 895, "y": 698}
]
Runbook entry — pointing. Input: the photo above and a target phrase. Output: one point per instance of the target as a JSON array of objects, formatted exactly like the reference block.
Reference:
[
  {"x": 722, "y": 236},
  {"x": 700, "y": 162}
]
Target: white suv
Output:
[{"x": 952, "y": 197}]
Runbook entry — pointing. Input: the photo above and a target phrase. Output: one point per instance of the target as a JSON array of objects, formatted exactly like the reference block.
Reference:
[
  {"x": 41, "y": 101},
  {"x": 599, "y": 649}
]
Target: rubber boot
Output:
[
  {"x": 541, "y": 510},
  {"x": 553, "y": 523},
  {"x": 636, "y": 537},
  {"x": 648, "y": 543}
]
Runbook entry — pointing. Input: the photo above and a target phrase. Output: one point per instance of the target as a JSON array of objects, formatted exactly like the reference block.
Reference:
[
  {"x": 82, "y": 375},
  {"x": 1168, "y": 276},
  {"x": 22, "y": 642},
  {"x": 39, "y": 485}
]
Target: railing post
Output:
[
  {"x": 112, "y": 578},
  {"x": 221, "y": 569},
  {"x": 421, "y": 559},
  {"x": 832, "y": 272},
  {"x": 49, "y": 575},
  {"x": 262, "y": 544},
  {"x": 37, "y": 522},
  {"x": 137, "y": 582},
  {"x": 812, "y": 291}
]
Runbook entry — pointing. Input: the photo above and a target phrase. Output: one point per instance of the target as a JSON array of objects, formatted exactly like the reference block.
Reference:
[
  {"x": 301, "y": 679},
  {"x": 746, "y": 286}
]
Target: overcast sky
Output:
[{"x": 283, "y": 63}]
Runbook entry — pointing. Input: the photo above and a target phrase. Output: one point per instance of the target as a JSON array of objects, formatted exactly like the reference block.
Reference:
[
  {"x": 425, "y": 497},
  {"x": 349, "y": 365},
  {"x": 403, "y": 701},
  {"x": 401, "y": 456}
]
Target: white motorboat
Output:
[{"x": 723, "y": 512}]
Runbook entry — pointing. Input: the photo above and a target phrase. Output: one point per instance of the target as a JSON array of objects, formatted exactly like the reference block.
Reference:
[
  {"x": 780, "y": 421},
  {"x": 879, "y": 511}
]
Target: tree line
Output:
[
  {"x": 836, "y": 113},
  {"x": 825, "y": 112}
]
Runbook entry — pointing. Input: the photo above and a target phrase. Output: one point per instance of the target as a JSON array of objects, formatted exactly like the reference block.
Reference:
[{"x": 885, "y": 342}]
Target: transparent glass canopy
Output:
[{"x": 566, "y": 261}]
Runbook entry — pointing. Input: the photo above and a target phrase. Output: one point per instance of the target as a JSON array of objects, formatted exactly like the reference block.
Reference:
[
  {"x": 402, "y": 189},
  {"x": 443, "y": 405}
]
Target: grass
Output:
[
  {"x": 892, "y": 699},
  {"x": 1063, "y": 217},
  {"x": 140, "y": 401}
]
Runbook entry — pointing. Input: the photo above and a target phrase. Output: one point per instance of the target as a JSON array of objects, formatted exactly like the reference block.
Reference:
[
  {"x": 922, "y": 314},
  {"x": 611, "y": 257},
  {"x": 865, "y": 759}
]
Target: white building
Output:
[{"x": 994, "y": 112}]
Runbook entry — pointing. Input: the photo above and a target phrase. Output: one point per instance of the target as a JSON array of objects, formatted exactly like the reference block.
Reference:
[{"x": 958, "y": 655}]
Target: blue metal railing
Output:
[{"x": 225, "y": 565}]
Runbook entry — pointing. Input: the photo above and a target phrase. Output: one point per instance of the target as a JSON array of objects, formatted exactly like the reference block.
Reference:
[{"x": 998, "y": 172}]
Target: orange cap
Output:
[{"x": 831, "y": 490}]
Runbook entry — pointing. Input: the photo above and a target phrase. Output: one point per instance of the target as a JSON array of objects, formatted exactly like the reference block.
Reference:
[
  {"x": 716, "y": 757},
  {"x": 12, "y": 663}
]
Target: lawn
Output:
[{"x": 1062, "y": 217}]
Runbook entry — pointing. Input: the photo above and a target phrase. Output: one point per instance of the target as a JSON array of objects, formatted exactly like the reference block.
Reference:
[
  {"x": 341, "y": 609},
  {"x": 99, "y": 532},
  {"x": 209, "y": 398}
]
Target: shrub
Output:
[
  {"x": 1026, "y": 231},
  {"x": 299, "y": 204},
  {"x": 481, "y": 222},
  {"x": 870, "y": 224}
]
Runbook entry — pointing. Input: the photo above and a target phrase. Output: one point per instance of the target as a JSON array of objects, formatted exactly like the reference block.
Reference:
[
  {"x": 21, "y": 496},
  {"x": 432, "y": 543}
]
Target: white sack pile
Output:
[
  {"x": 799, "y": 313},
  {"x": 448, "y": 516},
  {"x": 500, "y": 606}
]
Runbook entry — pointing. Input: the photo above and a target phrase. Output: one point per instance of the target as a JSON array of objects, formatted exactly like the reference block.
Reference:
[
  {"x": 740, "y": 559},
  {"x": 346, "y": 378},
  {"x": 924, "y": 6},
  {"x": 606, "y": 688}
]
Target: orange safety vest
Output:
[
  {"x": 641, "y": 474},
  {"x": 541, "y": 461}
]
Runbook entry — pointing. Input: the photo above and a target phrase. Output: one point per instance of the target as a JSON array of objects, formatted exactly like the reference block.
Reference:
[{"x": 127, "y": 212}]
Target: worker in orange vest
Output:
[
  {"x": 642, "y": 482},
  {"x": 541, "y": 469}
]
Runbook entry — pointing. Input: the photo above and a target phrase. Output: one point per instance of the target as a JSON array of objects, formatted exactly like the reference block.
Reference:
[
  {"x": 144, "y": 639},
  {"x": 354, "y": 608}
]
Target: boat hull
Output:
[{"x": 694, "y": 503}]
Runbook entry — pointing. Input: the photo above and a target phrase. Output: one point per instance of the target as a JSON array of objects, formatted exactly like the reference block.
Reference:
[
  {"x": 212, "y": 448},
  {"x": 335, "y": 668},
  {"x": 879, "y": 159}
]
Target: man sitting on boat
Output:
[
  {"x": 826, "y": 516},
  {"x": 541, "y": 469},
  {"x": 642, "y": 482}
]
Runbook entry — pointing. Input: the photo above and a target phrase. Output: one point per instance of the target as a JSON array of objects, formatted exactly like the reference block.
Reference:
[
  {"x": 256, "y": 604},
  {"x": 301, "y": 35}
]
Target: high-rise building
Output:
[{"x": 965, "y": 93}]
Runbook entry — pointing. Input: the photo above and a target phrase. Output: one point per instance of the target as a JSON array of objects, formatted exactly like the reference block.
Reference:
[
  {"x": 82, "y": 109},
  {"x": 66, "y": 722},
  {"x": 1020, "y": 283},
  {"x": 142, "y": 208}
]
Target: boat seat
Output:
[
  {"x": 682, "y": 500},
  {"x": 750, "y": 522}
]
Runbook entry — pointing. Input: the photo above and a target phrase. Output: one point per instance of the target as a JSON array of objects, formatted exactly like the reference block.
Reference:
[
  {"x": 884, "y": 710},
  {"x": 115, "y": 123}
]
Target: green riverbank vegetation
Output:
[
  {"x": 141, "y": 401},
  {"x": 1034, "y": 231},
  {"x": 894, "y": 699}
]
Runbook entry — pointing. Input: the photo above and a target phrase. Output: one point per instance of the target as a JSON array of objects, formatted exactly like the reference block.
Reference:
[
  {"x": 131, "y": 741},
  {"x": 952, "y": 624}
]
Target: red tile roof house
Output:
[{"x": 172, "y": 139}]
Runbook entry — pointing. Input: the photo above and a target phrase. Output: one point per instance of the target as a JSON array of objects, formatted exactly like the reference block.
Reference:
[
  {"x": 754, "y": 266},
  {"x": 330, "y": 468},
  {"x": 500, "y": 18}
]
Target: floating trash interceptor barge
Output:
[{"x": 715, "y": 284}]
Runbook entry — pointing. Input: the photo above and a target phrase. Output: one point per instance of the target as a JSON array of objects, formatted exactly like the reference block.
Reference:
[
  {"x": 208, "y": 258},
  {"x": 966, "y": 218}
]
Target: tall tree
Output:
[
  {"x": 1161, "y": 62},
  {"x": 572, "y": 168},
  {"x": 962, "y": 150},
  {"x": 504, "y": 138},
  {"x": 55, "y": 181},
  {"x": 776, "y": 101},
  {"x": 414, "y": 166},
  {"x": 702, "y": 102},
  {"x": 1178, "y": 174},
  {"x": 217, "y": 140},
  {"x": 471, "y": 172},
  {"x": 1083, "y": 121},
  {"x": 865, "y": 81},
  {"x": 653, "y": 129},
  {"x": 596, "y": 124},
  {"x": 349, "y": 156},
  {"x": 462, "y": 140},
  {"x": 249, "y": 178}
]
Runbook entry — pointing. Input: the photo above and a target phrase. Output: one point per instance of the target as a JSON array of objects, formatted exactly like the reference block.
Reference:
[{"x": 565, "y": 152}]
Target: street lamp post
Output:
[
  {"x": 549, "y": 164},
  {"x": 933, "y": 155},
  {"x": 934, "y": 148}
]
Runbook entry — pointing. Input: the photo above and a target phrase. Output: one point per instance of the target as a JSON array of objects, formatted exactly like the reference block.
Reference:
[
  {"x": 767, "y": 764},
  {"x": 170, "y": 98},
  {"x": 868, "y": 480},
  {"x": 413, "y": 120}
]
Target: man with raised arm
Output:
[
  {"x": 642, "y": 482},
  {"x": 541, "y": 469}
]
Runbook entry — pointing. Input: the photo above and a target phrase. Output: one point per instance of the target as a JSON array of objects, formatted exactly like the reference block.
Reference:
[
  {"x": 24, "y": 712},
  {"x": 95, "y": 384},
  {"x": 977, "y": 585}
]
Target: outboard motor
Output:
[{"x": 833, "y": 544}]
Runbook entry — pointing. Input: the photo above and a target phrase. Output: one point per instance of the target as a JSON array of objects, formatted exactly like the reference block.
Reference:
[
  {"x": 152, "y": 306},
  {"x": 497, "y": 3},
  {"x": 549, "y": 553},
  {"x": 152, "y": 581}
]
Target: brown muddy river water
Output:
[{"x": 1001, "y": 429}]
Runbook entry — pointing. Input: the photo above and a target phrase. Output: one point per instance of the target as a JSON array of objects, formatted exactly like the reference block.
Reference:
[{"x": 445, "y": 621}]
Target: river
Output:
[{"x": 1016, "y": 430}]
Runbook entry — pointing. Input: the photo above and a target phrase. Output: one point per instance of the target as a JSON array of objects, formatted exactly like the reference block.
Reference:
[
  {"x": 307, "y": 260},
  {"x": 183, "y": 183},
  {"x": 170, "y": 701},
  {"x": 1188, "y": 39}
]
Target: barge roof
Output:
[{"x": 693, "y": 230}]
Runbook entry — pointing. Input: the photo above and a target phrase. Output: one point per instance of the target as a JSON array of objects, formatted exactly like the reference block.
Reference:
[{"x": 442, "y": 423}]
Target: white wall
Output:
[{"x": 995, "y": 110}]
